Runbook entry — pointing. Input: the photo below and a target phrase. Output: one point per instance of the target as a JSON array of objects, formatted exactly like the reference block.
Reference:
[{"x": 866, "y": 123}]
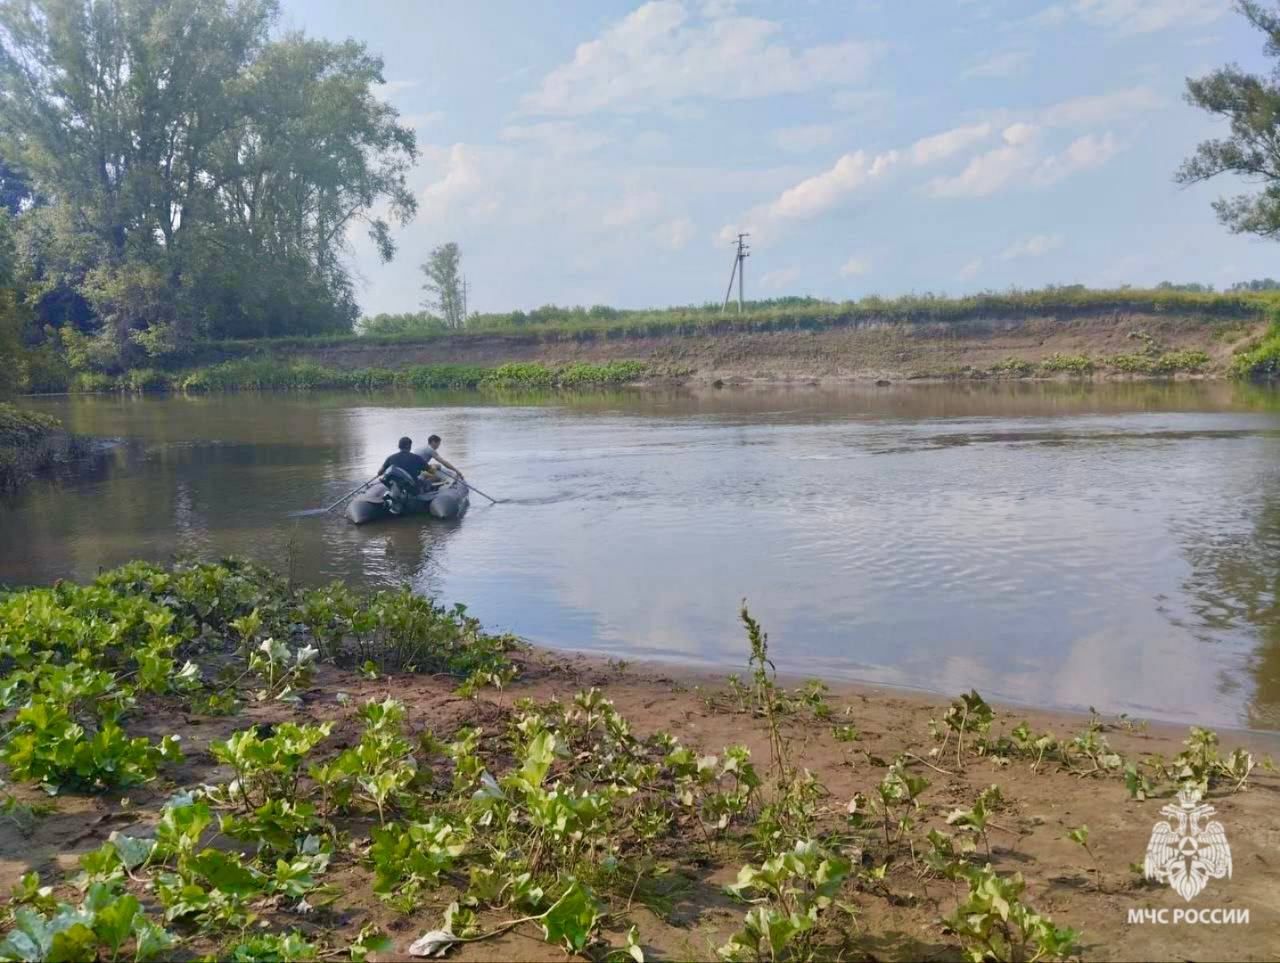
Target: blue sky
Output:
[{"x": 606, "y": 152}]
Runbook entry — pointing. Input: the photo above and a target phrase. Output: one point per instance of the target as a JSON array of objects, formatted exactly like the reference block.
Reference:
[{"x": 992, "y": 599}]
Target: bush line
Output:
[{"x": 258, "y": 374}]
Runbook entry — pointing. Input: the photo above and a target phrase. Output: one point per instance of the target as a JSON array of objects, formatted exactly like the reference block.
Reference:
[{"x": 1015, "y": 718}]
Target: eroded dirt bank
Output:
[{"x": 893, "y": 351}]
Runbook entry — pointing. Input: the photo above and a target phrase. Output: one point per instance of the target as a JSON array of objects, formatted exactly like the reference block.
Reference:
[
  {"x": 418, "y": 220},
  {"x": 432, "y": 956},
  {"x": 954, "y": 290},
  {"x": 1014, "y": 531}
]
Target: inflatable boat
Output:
[{"x": 396, "y": 494}]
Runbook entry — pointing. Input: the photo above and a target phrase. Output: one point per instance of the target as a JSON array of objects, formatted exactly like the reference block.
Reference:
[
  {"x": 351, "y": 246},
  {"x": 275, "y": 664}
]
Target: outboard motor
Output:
[{"x": 400, "y": 488}]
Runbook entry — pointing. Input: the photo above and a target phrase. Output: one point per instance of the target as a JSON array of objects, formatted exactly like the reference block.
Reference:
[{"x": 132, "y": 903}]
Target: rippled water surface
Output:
[{"x": 1115, "y": 545}]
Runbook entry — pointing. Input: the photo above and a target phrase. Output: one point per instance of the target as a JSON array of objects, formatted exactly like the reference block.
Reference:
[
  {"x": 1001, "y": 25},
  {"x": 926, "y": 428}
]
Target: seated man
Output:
[
  {"x": 405, "y": 460},
  {"x": 433, "y": 451}
]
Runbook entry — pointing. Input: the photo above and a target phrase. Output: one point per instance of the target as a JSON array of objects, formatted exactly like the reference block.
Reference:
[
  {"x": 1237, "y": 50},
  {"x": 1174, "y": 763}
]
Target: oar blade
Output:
[{"x": 308, "y": 513}]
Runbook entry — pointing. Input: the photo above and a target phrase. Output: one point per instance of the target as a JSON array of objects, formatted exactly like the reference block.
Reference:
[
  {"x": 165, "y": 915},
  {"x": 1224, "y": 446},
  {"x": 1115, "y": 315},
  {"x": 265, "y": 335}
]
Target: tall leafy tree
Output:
[
  {"x": 1252, "y": 104},
  {"x": 16, "y": 192},
  {"x": 444, "y": 285},
  {"x": 202, "y": 176}
]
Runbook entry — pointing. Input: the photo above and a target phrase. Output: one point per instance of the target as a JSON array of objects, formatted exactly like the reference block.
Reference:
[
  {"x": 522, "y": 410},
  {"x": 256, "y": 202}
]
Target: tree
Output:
[
  {"x": 388, "y": 324},
  {"x": 444, "y": 285},
  {"x": 12, "y": 315},
  {"x": 16, "y": 193},
  {"x": 201, "y": 177},
  {"x": 1190, "y": 288},
  {"x": 1257, "y": 284},
  {"x": 1252, "y": 104}
]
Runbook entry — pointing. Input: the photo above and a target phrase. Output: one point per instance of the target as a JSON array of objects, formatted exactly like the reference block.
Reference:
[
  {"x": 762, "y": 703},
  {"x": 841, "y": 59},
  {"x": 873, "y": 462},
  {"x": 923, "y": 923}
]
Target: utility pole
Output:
[
  {"x": 739, "y": 256},
  {"x": 464, "y": 299}
]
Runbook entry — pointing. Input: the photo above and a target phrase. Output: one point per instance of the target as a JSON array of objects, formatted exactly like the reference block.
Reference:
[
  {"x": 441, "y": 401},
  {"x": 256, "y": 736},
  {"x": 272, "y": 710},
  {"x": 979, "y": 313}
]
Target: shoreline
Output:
[
  {"x": 703, "y": 674},
  {"x": 1141, "y": 345},
  {"x": 473, "y": 771},
  {"x": 718, "y": 381}
]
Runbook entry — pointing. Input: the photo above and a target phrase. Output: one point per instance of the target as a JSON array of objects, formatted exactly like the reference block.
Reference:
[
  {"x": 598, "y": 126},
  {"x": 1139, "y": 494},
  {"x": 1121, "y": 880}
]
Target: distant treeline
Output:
[{"x": 553, "y": 320}]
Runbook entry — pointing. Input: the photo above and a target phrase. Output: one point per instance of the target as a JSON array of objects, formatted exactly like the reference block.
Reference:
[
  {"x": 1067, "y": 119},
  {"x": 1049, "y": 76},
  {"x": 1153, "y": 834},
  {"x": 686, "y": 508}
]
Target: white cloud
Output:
[
  {"x": 1032, "y": 246},
  {"x": 1019, "y": 134},
  {"x": 814, "y": 195},
  {"x": 855, "y": 267},
  {"x": 857, "y": 170},
  {"x": 1001, "y": 65},
  {"x": 993, "y": 170},
  {"x": 930, "y": 150},
  {"x": 970, "y": 270},
  {"x": 774, "y": 280},
  {"x": 1100, "y": 108},
  {"x": 1130, "y": 17},
  {"x": 1083, "y": 154},
  {"x": 1021, "y": 162},
  {"x": 660, "y": 54},
  {"x": 1147, "y": 16},
  {"x": 464, "y": 179},
  {"x": 804, "y": 138}
]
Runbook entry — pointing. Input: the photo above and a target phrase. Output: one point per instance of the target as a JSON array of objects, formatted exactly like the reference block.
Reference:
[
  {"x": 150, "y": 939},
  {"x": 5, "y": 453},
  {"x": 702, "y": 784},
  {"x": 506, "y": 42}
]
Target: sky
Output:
[{"x": 607, "y": 152}]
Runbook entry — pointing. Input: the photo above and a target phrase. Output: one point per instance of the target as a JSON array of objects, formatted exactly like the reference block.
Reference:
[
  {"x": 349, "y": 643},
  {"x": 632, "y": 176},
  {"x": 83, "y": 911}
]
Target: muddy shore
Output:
[{"x": 1092, "y": 891}]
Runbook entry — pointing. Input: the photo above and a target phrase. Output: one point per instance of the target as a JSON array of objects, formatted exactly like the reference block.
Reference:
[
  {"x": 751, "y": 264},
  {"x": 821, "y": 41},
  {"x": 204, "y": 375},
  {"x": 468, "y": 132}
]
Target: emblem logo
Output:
[{"x": 1188, "y": 853}]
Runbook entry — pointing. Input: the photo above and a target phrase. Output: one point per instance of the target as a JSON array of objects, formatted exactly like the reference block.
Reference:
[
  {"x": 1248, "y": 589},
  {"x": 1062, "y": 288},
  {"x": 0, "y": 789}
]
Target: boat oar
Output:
[
  {"x": 445, "y": 471},
  {"x": 321, "y": 511}
]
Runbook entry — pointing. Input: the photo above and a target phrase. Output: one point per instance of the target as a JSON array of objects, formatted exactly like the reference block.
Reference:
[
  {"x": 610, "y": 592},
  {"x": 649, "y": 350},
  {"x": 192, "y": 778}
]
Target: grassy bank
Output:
[
  {"x": 29, "y": 444},
  {"x": 1262, "y": 361},
  {"x": 1051, "y": 333},
  {"x": 207, "y": 760},
  {"x": 269, "y": 373},
  {"x": 796, "y": 314}
]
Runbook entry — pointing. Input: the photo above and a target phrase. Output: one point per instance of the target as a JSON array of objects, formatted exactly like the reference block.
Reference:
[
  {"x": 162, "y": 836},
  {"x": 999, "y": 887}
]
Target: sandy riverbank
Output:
[{"x": 690, "y": 915}]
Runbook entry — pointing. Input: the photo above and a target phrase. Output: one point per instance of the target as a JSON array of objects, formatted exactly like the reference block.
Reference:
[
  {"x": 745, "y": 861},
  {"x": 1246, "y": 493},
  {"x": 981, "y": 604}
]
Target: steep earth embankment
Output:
[{"x": 1097, "y": 346}]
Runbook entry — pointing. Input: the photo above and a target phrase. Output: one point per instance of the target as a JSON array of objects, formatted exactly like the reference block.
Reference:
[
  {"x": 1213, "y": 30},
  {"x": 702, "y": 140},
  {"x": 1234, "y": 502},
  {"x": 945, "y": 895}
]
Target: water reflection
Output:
[{"x": 1111, "y": 545}]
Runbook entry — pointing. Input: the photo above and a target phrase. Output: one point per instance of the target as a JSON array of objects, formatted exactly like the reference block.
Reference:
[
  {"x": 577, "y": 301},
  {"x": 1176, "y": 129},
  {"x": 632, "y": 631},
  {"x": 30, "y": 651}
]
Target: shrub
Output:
[
  {"x": 1069, "y": 363},
  {"x": 428, "y": 376},
  {"x": 91, "y": 382},
  {"x": 1013, "y": 368},
  {"x": 520, "y": 375},
  {"x": 1189, "y": 360},
  {"x": 1132, "y": 363},
  {"x": 147, "y": 379},
  {"x": 1263, "y": 361}
]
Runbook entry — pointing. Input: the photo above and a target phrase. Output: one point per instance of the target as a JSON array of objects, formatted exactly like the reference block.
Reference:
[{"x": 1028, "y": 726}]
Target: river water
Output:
[{"x": 1059, "y": 545}]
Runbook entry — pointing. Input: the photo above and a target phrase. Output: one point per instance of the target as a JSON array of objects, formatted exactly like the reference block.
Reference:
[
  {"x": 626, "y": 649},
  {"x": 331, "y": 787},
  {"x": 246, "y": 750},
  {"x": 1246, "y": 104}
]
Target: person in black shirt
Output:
[{"x": 405, "y": 460}]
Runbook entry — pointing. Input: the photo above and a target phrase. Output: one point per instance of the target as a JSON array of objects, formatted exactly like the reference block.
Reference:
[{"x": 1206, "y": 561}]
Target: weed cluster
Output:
[{"x": 269, "y": 373}]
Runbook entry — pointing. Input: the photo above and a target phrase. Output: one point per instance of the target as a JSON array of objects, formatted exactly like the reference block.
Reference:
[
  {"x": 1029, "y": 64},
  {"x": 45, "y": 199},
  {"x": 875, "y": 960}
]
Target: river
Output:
[{"x": 1059, "y": 545}]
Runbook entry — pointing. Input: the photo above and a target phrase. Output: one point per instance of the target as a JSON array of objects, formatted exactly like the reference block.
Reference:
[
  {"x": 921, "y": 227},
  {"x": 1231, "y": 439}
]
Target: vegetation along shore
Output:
[
  {"x": 205, "y": 760},
  {"x": 1056, "y": 333},
  {"x": 31, "y": 443}
]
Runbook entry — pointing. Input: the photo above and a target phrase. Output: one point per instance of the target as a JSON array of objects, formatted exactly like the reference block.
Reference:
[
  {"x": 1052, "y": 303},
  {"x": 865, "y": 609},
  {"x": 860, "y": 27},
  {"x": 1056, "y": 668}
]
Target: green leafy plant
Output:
[
  {"x": 798, "y": 888},
  {"x": 969, "y": 715},
  {"x": 993, "y": 923},
  {"x": 46, "y": 746},
  {"x": 105, "y": 923}
]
